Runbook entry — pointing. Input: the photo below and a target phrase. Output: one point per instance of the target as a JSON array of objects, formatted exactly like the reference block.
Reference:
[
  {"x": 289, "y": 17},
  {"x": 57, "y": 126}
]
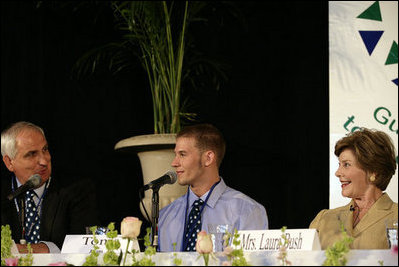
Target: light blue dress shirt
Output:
[{"x": 225, "y": 206}]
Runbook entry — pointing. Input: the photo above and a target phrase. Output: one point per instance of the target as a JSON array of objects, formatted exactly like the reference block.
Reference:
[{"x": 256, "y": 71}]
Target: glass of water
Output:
[
  {"x": 218, "y": 233},
  {"x": 392, "y": 232},
  {"x": 101, "y": 230}
]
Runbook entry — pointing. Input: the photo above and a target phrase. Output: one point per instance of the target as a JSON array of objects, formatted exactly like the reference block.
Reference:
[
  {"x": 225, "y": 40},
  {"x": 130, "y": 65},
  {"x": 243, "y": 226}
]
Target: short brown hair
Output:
[
  {"x": 207, "y": 137},
  {"x": 375, "y": 152}
]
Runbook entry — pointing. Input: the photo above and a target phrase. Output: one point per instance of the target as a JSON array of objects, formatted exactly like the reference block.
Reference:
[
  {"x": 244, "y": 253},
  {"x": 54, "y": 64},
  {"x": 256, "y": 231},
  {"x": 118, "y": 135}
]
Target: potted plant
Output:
[{"x": 149, "y": 36}]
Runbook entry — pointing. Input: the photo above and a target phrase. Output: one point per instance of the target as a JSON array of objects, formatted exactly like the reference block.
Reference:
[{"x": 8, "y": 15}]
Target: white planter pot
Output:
[{"x": 156, "y": 153}]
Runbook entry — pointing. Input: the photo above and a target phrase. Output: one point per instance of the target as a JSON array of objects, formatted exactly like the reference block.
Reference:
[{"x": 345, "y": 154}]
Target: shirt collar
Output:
[
  {"x": 39, "y": 191},
  {"x": 217, "y": 192},
  {"x": 213, "y": 198}
]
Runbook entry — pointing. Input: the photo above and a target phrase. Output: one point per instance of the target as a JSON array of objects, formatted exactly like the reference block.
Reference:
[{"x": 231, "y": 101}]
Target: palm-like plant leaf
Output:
[{"x": 155, "y": 33}]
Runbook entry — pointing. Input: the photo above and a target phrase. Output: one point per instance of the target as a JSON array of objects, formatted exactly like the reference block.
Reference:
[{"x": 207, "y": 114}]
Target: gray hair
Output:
[{"x": 9, "y": 136}]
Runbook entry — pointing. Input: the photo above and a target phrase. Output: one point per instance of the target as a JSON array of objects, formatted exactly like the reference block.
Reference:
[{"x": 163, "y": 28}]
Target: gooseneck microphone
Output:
[
  {"x": 32, "y": 182},
  {"x": 168, "y": 178}
]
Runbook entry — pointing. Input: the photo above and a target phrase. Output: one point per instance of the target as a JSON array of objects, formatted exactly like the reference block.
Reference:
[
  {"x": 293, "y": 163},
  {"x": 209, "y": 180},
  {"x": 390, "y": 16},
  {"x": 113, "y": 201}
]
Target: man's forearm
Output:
[{"x": 36, "y": 248}]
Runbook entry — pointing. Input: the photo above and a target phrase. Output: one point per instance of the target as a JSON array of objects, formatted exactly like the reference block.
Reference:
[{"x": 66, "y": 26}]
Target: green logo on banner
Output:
[
  {"x": 393, "y": 54},
  {"x": 373, "y": 12},
  {"x": 371, "y": 38}
]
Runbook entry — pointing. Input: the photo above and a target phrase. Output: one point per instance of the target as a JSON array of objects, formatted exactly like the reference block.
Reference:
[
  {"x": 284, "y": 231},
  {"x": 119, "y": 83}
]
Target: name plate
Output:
[
  {"x": 85, "y": 243},
  {"x": 268, "y": 240}
]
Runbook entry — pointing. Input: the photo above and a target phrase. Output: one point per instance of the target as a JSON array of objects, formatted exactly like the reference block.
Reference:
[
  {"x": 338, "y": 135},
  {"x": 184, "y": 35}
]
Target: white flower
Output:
[
  {"x": 130, "y": 227},
  {"x": 204, "y": 243}
]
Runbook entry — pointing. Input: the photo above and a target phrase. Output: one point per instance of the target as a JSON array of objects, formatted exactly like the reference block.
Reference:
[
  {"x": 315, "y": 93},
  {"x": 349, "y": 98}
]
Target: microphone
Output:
[
  {"x": 32, "y": 182},
  {"x": 168, "y": 178},
  {"x": 351, "y": 208}
]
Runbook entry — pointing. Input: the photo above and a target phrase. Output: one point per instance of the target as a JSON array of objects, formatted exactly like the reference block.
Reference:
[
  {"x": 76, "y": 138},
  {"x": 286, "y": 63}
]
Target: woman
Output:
[{"x": 366, "y": 166}]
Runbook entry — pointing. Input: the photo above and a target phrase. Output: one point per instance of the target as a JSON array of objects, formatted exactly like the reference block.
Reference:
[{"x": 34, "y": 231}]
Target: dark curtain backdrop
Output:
[{"x": 273, "y": 109}]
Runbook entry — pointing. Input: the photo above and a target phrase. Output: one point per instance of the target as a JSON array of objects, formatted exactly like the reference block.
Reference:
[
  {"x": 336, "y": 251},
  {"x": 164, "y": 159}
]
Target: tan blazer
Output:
[{"x": 369, "y": 233}]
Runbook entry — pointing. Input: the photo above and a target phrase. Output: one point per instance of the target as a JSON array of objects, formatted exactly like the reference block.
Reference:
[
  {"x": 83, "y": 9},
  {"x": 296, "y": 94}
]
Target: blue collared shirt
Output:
[{"x": 225, "y": 206}]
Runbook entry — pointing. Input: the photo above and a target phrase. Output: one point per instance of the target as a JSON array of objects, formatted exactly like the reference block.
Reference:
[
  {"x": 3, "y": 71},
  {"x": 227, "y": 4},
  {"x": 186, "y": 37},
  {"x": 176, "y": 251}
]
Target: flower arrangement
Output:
[
  {"x": 6, "y": 256},
  {"x": 149, "y": 251},
  {"x": 130, "y": 229},
  {"x": 204, "y": 246},
  {"x": 283, "y": 248},
  {"x": 92, "y": 258},
  {"x": 235, "y": 253},
  {"x": 6, "y": 243},
  {"x": 176, "y": 260},
  {"x": 336, "y": 254},
  {"x": 110, "y": 257},
  {"x": 394, "y": 249}
]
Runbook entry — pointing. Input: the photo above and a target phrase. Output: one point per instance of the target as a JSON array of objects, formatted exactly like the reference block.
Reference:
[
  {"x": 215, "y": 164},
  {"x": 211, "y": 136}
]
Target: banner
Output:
[{"x": 363, "y": 77}]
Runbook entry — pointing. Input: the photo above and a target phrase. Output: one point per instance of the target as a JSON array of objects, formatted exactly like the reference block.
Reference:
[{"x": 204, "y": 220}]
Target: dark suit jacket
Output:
[
  {"x": 65, "y": 210},
  {"x": 369, "y": 233}
]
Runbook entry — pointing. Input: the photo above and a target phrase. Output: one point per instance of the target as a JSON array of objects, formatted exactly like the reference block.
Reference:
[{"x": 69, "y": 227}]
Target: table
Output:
[{"x": 258, "y": 258}]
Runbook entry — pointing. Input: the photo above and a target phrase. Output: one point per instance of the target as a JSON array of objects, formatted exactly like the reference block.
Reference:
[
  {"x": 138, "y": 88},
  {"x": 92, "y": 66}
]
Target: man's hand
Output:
[{"x": 36, "y": 248}]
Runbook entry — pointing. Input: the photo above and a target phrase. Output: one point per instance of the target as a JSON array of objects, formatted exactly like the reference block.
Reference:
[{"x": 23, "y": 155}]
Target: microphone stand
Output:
[
  {"x": 155, "y": 216},
  {"x": 21, "y": 200}
]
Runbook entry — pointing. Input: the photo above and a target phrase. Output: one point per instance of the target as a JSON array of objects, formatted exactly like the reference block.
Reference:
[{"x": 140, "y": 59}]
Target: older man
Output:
[{"x": 44, "y": 215}]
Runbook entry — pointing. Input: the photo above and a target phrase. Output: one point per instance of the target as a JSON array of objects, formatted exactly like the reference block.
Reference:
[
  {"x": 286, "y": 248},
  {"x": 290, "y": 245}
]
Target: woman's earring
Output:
[{"x": 372, "y": 178}]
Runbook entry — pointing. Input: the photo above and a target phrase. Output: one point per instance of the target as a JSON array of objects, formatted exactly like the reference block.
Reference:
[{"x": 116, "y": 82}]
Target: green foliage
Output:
[
  {"x": 283, "y": 243},
  {"x": 92, "y": 258},
  {"x": 336, "y": 254},
  {"x": 110, "y": 257},
  {"x": 237, "y": 257},
  {"x": 149, "y": 251},
  {"x": 148, "y": 24},
  {"x": 28, "y": 259},
  {"x": 6, "y": 243},
  {"x": 176, "y": 260},
  {"x": 156, "y": 33}
]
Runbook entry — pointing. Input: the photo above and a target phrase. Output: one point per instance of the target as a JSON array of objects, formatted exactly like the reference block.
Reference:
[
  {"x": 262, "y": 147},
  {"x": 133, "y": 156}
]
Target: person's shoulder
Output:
[
  {"x": 176, "y": 204},
  {"x": 326, "y": 215},
  {"x": 386, "y": 199},
  {"x": 334, "y": 211},
  {"x": 386, "y": 203},
  {"x": 76, "y": 189},
  {"x": 237, "y": 196}
]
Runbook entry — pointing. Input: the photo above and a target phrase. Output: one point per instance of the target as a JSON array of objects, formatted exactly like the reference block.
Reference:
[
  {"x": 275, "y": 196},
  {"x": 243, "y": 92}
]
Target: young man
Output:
[{"x": 199, "y": 152}]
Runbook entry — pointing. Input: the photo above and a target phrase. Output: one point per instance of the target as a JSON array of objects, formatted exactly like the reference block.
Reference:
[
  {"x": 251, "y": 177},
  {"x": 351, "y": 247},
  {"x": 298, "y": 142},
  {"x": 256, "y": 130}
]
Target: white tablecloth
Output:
[{"x": 297, "y": 258}]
